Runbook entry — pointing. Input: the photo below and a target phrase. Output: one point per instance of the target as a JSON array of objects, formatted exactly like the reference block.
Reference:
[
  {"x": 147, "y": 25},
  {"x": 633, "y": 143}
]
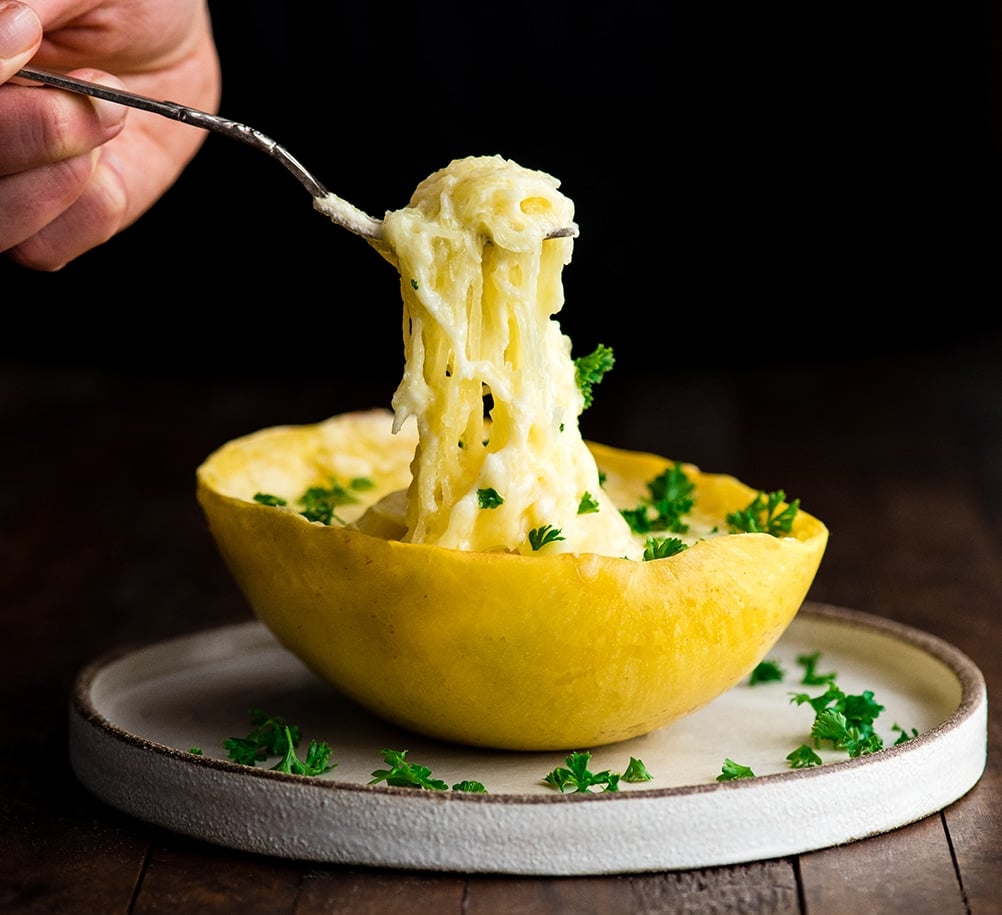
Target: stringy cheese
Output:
[{"x": 480, "y": 284}]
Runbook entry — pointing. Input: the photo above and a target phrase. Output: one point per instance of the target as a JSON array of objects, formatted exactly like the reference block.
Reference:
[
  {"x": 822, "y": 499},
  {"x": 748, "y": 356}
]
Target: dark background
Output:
[{"x": 752, "y": 187}]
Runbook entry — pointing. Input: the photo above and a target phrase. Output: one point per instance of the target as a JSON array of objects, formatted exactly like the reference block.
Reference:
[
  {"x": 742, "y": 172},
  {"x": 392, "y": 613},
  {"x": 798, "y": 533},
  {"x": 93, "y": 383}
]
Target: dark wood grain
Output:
[
  {"x": 204, "y": 878},
  {"x": 102, "y": 546},
  {"x": 867, "y": 874}
]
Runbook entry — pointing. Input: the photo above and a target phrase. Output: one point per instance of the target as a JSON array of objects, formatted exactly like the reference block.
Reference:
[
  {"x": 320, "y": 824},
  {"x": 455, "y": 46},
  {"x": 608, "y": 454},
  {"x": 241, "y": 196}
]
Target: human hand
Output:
[{"x": 74, "y": 171}]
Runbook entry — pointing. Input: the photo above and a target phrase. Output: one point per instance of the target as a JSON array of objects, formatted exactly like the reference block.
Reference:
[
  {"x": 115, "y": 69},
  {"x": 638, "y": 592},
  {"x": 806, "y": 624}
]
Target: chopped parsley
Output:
[
  {"x": 319, "y": 502},
  {"x": 636, "y": 771},
  {"x": 588, "y": 504},
  {"x": 670, "y": 499},
  {"x": 317, "y": 762},
  {"x": 489, "y": 498},
  {"x": 730, "y": 771},
  {"x": 803, "y": 757},
  {"x": 266, "y": 498},
  {"x": 271, "y": 737},
  {"x": 540, "y": 536},
  {"x": 811, "y": 676},
  {"x": 576, "y": 776},
  {"x": 662, "y": 547},
  {"x": 764, "y": 515},
  {"x": 268, "y": 737},
  {"x": 590, "y": 370},
  {"x": 471, "y": 786},
  {"x": 845, "y": 722},
  {"x": 833, "y": 725},
  {"x": 766, "y": 672},
  {"x": 404, "y": 774}
]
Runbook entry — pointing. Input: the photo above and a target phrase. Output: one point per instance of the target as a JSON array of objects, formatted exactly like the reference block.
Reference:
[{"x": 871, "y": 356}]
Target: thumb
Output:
[{"x": 20, "y": 36}]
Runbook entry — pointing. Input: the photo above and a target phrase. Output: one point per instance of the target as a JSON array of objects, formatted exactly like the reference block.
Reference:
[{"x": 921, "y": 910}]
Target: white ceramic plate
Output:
[{"x": 135, "y": 716}]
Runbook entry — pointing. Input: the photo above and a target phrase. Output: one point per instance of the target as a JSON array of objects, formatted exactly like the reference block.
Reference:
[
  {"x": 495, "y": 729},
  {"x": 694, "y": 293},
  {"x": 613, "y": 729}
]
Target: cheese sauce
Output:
[{"x": 488, "y": 375}]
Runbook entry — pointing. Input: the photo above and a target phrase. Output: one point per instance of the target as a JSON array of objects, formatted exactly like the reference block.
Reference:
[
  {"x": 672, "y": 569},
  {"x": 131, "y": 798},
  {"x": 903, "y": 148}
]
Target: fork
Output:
[{"x": 337, "y": 209}]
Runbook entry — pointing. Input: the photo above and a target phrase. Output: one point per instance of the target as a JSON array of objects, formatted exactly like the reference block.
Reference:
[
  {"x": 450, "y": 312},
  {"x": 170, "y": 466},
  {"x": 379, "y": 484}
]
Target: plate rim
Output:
[{"x": 88, "y": 725}]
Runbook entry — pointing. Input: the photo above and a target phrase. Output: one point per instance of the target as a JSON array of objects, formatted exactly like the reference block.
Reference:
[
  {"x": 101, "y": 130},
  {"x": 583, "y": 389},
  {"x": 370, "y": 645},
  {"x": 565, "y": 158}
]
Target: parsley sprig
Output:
[
  {"x": 317, "y": 762},
  {"x": 540, "y": 536},
  {"x": 576, "y": 776},
  {"x": 271, "y": 736},
  {"x": 811, "y": 677},
  {"x": 846, "y": 722},
  {"x": 590, "y": 370},
  {"x": 670, "y": 498},
  {"x": 319, "y": 502},
  {"x": 765, "y": 514},
  {"x": 731, "y": 770},
  {"x": 405, "y": 774},
  {"x": 489, "y": 498},
  {"x": 765, "y": 672},
  {"x": 663, "y": 547}
]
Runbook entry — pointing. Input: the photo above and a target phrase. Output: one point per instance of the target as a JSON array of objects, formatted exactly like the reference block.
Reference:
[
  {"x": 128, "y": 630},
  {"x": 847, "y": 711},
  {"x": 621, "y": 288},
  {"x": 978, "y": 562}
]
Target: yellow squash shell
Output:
[{"x": 561, "y": 652}]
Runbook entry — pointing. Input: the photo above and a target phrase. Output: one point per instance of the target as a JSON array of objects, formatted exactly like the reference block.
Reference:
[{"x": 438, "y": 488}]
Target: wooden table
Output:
[{"x": 103, "y": 545}]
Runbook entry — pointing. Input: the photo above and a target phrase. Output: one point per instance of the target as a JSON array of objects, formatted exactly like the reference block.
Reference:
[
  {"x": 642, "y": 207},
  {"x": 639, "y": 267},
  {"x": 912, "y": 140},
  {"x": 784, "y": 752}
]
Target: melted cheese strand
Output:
[{"x": 480, "y": 283}]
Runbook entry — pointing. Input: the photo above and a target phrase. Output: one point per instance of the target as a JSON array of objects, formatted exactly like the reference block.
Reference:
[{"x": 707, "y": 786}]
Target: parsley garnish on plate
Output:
[
  {"x": 268, "y": 737},
  {"x": 470, "y": 786},
  {"x": 636, "y": 771},
  {"x": 576, "y": 776},
  {"x": 405, "y": 774},
  {"x": 803, "y": 757},
  {"x": 271, "y": 737},
  {"x": 732, "y": 770},
  {"x": 843, "y": 721},
  {"x": 811, "y": 676},
  {"x": 766, "y": 672},
  {"x": 317, "y": 762}
]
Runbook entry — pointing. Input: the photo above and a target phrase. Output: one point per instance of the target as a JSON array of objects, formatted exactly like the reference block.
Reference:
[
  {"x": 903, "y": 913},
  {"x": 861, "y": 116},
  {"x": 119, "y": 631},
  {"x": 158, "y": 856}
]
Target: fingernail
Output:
[
  {"x": 20, "y": 29},
  {"x": 110, "y": 113}
]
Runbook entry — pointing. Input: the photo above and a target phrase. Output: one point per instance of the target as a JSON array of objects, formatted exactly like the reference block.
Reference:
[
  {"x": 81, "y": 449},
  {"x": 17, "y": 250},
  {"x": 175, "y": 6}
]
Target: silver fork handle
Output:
[
  {"x": 338, "y": 210},
  {"x": 184, "y": 114}
]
